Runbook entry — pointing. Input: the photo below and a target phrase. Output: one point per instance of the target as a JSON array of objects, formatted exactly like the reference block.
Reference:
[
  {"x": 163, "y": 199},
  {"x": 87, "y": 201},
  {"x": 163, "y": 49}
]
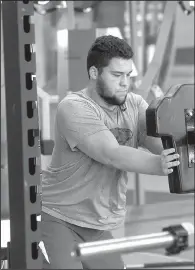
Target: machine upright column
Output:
[{"x": 22, "y": 134}]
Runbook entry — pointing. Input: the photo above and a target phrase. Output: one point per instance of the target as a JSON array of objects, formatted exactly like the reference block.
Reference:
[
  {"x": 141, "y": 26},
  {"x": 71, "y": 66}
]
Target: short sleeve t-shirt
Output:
[{"x": 75, "y": 187}]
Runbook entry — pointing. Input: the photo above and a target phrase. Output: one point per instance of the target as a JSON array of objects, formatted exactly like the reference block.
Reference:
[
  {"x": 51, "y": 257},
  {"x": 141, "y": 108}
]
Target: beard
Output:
[{"x": 103, "y": 91}]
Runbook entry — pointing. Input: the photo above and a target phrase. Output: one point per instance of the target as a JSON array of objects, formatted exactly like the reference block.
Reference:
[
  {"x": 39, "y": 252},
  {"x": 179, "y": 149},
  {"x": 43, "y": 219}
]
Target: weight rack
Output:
[{"x": 22, "y": 135}]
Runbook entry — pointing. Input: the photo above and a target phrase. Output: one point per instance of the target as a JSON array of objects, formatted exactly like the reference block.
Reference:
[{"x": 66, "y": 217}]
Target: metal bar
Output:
[
  {"x": 126, "y": 244},
  {"x": 46, "y": 129},
  {"x": 156, "y": 63},
  {"x": 139, "y": 191},
  {"x": 45, "y": 101},
  {"x": 4, "y": 165},
  {"x": 142, "y": 38},
  {"x": 22, "y": 117},
  {"x": 133, "y": 29},
  {"x": 71, "y": 15}
]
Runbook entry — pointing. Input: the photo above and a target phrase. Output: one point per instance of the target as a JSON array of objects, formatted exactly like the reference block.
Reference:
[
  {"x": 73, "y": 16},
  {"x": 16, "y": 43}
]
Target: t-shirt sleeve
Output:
[
  {"x": 77, "y": 119},
  {"x": 142, "y": 107}
]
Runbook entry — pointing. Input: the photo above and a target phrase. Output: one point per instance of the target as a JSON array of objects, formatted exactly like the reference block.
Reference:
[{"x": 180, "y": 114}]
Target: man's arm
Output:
[
  {"x": 84, "y": 130},
  {"x": 104, "y": 148},
  {"x": 153, "y": 144}
]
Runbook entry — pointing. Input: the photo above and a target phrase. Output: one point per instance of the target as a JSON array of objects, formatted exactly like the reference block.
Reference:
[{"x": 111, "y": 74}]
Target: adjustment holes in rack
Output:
[
  {"x": 34, "y": 250},
  {"x": 30, "y": 108},
  {"x": 33, "y": 194},
  {"x": 31, "y": 138},
  {"x": 28, "y": 52},
  {"x": 29, "y": 81},
  {"x": 33, "y": 219},
  {"x": 32, "y": 165},
  {"x": 26, "y": 23}
]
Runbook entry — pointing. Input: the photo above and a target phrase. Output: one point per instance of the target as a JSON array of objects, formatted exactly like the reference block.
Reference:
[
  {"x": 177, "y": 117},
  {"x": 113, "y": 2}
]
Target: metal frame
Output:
[
  {"x": 156, "y": 63},
  {"x": 22, "y": 135},
  {"x": 148, "y": 79},
  {"x": 46, "y": 100}
]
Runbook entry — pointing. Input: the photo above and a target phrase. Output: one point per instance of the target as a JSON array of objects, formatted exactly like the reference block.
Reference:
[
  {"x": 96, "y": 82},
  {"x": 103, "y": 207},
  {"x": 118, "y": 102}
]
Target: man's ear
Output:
[{"x": 93, "y": 72}]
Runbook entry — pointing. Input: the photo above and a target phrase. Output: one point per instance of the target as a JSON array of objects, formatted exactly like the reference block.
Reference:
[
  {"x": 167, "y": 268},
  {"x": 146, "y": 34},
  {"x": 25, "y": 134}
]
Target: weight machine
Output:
[{"x": 24, "y": 152}]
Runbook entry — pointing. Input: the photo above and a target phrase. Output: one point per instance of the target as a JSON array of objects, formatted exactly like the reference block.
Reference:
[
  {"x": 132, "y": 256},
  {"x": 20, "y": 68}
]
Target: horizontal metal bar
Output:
[{"x": 122, "y": 245}]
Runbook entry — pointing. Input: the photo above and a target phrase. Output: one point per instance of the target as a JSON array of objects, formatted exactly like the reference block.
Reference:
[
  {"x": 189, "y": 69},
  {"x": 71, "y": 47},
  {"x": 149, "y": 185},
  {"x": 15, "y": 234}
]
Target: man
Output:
[{"x": 97, "y": 132}]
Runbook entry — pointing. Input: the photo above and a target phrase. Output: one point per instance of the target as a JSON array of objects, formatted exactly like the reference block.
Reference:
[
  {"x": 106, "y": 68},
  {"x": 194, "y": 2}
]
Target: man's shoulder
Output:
[
  {"x": 137, "y": 101},
  {"x": 72, "y": 99},
  {"x": 77, "y": 101},
  {"x": 133, "y": 95},
  {"x": 133, "y": 98},
  {"x": 72, "y": 96}
]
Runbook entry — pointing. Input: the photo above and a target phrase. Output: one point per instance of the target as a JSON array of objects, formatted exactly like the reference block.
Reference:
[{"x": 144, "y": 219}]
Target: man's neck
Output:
[{"x": 91, "y": 92}]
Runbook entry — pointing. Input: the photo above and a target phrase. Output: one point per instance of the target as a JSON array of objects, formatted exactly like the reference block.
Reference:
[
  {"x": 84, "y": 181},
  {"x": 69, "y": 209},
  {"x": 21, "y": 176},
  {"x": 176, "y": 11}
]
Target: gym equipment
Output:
[
  {"x": 174, "y": 239},
  {"x": 172, "y": 118},
  {"x": 22, "y": 135},
  {"x": 154, "y": 67}
]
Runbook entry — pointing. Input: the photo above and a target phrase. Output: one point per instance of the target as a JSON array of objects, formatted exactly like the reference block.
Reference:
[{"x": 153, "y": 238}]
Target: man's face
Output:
[{"x": 114, "y": 81}]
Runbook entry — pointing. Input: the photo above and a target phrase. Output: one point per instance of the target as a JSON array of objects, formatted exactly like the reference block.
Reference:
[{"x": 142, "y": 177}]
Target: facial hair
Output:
[{"x": 102, "y": 90}]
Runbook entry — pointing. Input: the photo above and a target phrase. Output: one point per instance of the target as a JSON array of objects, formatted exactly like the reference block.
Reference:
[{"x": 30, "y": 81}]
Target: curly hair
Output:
[{"x": 104, "y": 49}]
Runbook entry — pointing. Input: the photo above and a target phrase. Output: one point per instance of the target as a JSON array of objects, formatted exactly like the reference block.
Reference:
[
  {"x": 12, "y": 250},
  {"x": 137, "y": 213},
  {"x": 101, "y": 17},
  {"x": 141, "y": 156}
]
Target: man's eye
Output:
[{"x": 117, "y": 75}]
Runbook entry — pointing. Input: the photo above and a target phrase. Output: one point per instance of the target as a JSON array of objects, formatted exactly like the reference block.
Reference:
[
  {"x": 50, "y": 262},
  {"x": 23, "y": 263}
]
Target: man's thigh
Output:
[
  {"x": 59, "y": 241},
  {"x": 60, "y": 238}
]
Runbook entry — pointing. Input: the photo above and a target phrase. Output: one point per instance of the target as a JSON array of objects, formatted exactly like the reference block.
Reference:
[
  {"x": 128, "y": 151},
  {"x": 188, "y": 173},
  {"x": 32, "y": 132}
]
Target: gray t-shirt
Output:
[{"x": 75, "y": 187}]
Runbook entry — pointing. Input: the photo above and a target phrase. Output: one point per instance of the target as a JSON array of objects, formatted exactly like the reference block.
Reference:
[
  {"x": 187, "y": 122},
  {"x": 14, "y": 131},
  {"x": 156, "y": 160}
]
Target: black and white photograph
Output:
[{"x": 97, "y": 135}]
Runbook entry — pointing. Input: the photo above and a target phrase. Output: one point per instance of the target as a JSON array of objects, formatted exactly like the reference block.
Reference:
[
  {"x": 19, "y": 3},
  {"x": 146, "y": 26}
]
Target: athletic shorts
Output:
[{"x": 59, "y": 239}]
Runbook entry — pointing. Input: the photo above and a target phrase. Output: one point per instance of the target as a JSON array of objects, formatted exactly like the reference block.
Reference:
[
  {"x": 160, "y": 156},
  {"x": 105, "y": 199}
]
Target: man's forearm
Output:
[
  {"x": 136, "y": 160},
  {"x": 154, "y": 145}
]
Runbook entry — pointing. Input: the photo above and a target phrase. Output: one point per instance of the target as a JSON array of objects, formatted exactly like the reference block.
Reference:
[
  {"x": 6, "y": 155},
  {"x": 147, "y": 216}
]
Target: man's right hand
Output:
[{"x": 168, "y": 160}]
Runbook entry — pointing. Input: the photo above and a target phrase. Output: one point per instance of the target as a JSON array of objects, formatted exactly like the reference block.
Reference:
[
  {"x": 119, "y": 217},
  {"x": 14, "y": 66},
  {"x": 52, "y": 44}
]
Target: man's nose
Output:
[{"x": 124, "y": 81}]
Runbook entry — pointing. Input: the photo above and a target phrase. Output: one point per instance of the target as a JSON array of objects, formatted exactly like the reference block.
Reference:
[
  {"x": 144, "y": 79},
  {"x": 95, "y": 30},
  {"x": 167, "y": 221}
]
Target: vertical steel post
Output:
[
  {"x": 142, "y": 38},
  {"x": 139, "y": 192},
  {"x": 133, "y": 29},
  {"x": 22, "y": 135}
]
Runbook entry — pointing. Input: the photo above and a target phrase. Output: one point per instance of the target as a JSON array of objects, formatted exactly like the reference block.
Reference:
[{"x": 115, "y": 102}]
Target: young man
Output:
[{"x": 97, "y": 132}]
